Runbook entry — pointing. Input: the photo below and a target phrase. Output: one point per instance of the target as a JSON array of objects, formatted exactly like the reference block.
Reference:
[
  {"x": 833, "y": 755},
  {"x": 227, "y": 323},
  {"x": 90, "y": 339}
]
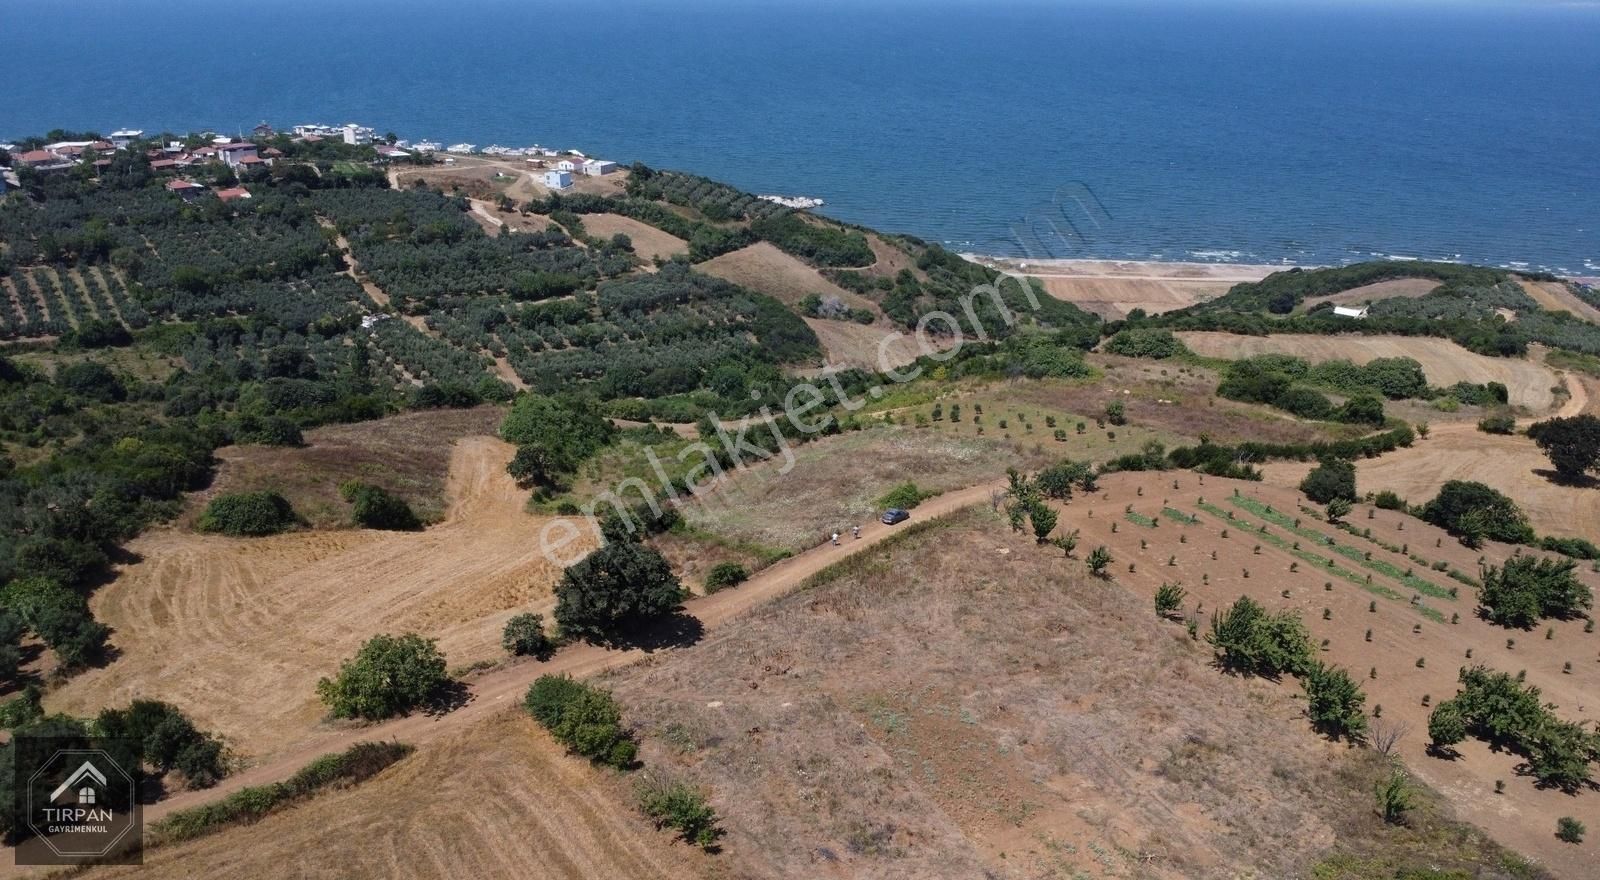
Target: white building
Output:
[
  {"x": 233, "y": 154},
  {"x": 1349, "y": 312},
  {"x": 571, "y": 164},
  {"x": 121, "y": 139},
  {"x": 558, "y": 179},
  {"x": 598, "y": 167}
]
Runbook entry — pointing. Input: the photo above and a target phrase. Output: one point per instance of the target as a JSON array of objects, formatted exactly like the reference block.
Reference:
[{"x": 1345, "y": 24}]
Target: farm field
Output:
[
  {"x": 648, "y": 241},
  {"x": 848, "y": 344},
  {"x": 237, "y": 631},
  {"x": 1112, "y": 289},
  {"x": 489, "y": 801},
  {"x": 764, "y": 268},
  {"x": 1555, "y": 296},
  {"x": 1444, "y": 362},
  {"x": 962, "y": 702},
  {"x": 1521, "y": 818}
]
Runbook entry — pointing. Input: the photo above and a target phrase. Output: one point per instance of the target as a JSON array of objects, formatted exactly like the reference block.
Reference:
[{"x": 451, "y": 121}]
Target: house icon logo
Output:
[{"x": 93, "y": 782}]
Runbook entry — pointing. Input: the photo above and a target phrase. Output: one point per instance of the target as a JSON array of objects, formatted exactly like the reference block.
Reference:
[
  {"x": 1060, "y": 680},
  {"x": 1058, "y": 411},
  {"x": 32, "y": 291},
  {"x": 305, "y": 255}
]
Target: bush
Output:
[
  {"x": 1333, "y": 478},
  {"x": 1447, "y": 727},
  {"x": 583, "y": 718},
  {"x": 1528, "y": 589},
  {"x": 681, "y": 807},
  {"x": 1387, "y": 500},
  {"x": 268, "y": 431},
  {"x": 724, "y": 575},
  {"x": 374, "y": 508},
  {"x": 524, "y": 635},
  {"x": 1570, "y": 830},
  {"x": 248, "y": 514},
  {"x": 1145, "y": 343},
  {"x": 904, "y": 496},
  {"x": 169, "y": 740},
  {"x": 1334, "y": 702},
  {"x": 615, "y": 592},
  {"x": 390, "y": 675},
  {"x": 59, "y": 616},
  {"x": 1498, "y": 423}
]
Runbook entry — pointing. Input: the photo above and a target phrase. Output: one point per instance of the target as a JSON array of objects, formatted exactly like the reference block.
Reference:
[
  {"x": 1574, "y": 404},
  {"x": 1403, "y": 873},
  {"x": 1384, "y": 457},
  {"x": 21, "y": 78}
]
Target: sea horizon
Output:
[{"x": 1215, "y": 132}]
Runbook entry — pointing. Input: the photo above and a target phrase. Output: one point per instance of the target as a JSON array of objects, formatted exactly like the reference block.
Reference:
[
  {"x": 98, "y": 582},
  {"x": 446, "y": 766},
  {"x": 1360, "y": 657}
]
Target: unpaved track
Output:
[
  {"x": 306, "y": 738},
  {"x": 237, "y": 631}
]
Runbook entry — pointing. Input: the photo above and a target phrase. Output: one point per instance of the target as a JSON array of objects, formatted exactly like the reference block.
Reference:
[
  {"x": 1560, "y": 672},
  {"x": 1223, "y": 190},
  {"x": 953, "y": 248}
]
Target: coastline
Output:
[{"x": 1132, "y": 270}]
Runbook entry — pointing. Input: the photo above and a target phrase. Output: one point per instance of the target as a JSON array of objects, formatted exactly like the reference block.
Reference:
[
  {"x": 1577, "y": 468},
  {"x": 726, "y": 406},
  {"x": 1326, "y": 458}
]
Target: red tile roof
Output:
[
  {"x": 38, "y": 157},
  {"x": 252, "y": 160},
  {"x": 160, "y": 164},
  {"x": 181, "y": 185},
  {"x": 236, "y": 192}
]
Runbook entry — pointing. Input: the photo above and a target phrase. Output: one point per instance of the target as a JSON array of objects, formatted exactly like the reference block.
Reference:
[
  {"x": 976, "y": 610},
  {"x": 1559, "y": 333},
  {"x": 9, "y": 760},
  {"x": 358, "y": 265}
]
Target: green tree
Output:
[
  {"x": 1493, "y": 515},
  {"x": 1570, "y": 830},
  {"x": 569, "y": 429},
  {"x": 1395, "y": 797},
  {"x": 390, "y": 675},
  {"x": 1572, "y": 444},
  {"x": 616, "y": 591},
  {"x": 1247, "y": 639},
  {"x": 1043, "y": 519},
  {"x": 724, "y": 575},
  {"x": 1333, "y": 478},
  {"x": 248, "y": 514},
  {"x": 1116, "y": 413},
  {"x": 584, "y": 718},
  {"x": 1334, "y": 702},
  {"x": 1338, "y": 509},
  {"x": 683, "y": 808},
  {"x": 1527, "y": 589},
  {"x": 1446, "y": 728},
  {"x": 373, "y": 507}
]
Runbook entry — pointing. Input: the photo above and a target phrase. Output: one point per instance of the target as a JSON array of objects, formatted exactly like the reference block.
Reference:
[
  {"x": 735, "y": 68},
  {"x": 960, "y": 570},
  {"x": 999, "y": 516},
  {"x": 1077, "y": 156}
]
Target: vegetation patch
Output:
[{"x": 248, "y": 514}]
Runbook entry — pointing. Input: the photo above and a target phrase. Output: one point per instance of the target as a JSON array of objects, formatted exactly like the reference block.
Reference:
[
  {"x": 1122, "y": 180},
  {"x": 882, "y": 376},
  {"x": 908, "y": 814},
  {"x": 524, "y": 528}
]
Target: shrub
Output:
[
  {"x": 1099, "y": 559},
  {"x": 1498, "y": 423},
  {"x": 1570, "y": 830},
  {"x": 683, "y": 808},
  {"x": 1145, "y": 343},
  {"x": 59, "y": 616},
  {"x": 375, "y": 508},
  {"x": 583, "y": 718},
  {"x": 1333, "y": 478},
  {"x": 1249, "y": 640},
  {"x": 1116, "y": 413},
  {"x": 1527, "y": 589},
  {"x": 1446, "y": 727},
  {"x": 1395, "y": 797},
  {"x": 390, "y": 675},
  {"x": 1387, "y": 500},
  {"x": 268, "y": 431},
  {"x": 248, "y": 514},
  {"x": 615, "y": 592},
  {"x": 724, "y": 575},
  {"x": 904, "y": 496},
  {"x": 1169, "y": 598},
  {"x": 524, "y": 635},
  {"x": 170, "y": 741},
  {"x": 1043, "y": 519},
  {"x": 1474, "y": 511}
]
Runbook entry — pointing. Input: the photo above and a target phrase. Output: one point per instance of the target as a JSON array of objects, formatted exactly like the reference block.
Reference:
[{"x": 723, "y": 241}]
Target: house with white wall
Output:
[{"x": 558, "y": 179}]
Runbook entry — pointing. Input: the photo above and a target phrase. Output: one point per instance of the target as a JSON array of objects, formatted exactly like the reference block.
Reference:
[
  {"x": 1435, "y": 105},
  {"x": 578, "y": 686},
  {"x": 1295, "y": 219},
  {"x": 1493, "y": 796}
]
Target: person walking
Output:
[
  {"x": 857, "y": 531},
  {"x": 835, "y": 539}
]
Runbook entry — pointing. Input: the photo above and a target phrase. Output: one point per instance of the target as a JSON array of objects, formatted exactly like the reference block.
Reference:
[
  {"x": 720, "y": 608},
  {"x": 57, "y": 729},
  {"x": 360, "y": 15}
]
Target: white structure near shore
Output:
[{"x": 558, "y": 179}]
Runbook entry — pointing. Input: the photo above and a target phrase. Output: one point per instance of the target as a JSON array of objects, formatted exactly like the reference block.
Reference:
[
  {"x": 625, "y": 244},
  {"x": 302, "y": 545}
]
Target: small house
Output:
[
  {"x": 598, "y": 167},
  {"x": 233, "y": 154},
  {"x": 572, "y": 164},
  {"x": 233, "y": 193},
  {"x": 558, "y": 179},
  {"x": 187, "y": 190},
  {"x": 1351, "y": 311}
]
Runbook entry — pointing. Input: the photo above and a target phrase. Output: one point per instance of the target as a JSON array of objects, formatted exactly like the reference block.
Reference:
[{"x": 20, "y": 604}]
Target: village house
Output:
[
  {"x": 571, "y": 164},
  {"x": 234, "y": 154},
  {"x": 598, "y": 167},
  {"x": 187, "y": 190},
  {"x": 122, "y": 139},
  {"x": 1351, "y": 311},
  {"x": 42, "y": 160},
  {"x": 558, "y": 179},
  {"x": 233, "y": 193}
]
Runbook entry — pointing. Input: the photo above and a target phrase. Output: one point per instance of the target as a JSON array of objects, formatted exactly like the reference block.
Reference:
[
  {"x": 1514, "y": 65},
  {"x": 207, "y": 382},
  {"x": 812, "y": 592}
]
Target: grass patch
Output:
[
  {"x": 1179, "y": 516},
  {"x": 1140, "y": 519},
  {"x": 246, "y": 806},
  {"x": 875, "y": 560}
]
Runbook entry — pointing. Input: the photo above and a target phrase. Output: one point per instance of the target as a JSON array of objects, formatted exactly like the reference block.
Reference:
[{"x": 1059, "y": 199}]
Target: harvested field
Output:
[
  {"x": 836, "y": 482},
  {"x": 648, "y": 241},
  {"x": 499, "y": 799},
  {"x": 890, "y": 259},
  {"x": 962, "y": 703},
  {"x": 407, "y": 454},
  {"x": 1444, "y": 362},
  {"x": 1554, "y": 296},
  {"x": 1403, "y": 288},
  {"x": 848, "y": 344},
  {"x": 237, "y": 631},
  {"x": 1114, "y": 298},
  {"x": 764, "y": 268}
]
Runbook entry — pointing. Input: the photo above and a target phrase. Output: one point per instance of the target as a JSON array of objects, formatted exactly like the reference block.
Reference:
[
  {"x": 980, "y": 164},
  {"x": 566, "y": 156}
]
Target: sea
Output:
[{"x": 1249, "y": 131}]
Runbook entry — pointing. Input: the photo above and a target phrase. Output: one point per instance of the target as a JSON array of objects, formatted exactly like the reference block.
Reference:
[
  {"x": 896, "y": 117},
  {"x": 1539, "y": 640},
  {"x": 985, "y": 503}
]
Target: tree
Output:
[
  {"x": 535, "y": 465},
  {"x": 583, "y": 718},
  {"x": 248, "y": 514},
  {"x": 524, "y": 635},
  {"x": 615, "y": 592},
  {"x": 570, "y": 429},
  {"x": 1446, "y": 728},
  {"x": 1572, "y": 444},
  {"x": 11, "y": 631},
  {"x": 1249, "y": 640},
  {"x": 1465, "y": 508},
  {"x": 1067, "y": 543},
  {"x": 724, "y": 575},
  {"x": 1338, "y": 509},
  {"x": 1099, "y": 559},
  {"x": 390, "y": 675},
  {"x": 1116, "y": 413},
  {"x": 1333, "y": 478},
  {"x": 1395, "y": 796},
  {"x": 681, "y": 807},
  {"x": 1527, "y": 589},
  {"x": 1056, "y": 481},
  {"x": 1363, "y": 409},
  {"x": 1169, "y": 598},
  {"x": 1043, "y": 519},
  {"x": 374, "y": 508},
  {"x": 1334, "y": 702}
]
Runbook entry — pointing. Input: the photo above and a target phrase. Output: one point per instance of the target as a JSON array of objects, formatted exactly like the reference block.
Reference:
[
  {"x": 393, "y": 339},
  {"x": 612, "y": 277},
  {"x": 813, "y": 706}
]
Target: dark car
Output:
[{"x": 895, "y": 515}]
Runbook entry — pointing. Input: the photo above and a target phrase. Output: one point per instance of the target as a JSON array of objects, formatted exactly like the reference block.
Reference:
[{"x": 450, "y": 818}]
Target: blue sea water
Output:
[{"x": 1210, "y": 129}]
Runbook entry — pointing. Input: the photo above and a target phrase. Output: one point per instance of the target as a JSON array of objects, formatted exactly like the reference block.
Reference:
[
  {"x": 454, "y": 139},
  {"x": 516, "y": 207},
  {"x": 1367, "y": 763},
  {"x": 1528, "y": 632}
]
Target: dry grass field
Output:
[
  {"x": 1113, "y": 298},
  {"x": 764, "y": 268},
  {"x": 873, "y": 347},
  {"x": 1444, "y": 362},
  {"x": 1407, "y": 288},
  {"x": 496, "y": 800},
  {"x": 237, "y": 631},
  {"x": 648, "y": 241},
  {"x": 407, "y": 454},
  {"x": 1555, "y": 296},
  {"x": 964, "y": 703}
]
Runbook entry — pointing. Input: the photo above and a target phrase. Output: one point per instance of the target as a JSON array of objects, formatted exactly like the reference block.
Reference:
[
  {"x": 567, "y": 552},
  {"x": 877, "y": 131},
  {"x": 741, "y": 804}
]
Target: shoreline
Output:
[{"x": 1131, "y": 270}]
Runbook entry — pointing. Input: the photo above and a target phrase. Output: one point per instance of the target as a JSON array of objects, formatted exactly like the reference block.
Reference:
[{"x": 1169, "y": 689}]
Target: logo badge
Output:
[{"x": 78, "y": 804}]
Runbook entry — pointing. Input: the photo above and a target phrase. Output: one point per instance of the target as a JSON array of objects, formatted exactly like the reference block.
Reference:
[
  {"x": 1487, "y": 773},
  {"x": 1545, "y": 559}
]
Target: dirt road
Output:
[{"x": 496, "y": 691}]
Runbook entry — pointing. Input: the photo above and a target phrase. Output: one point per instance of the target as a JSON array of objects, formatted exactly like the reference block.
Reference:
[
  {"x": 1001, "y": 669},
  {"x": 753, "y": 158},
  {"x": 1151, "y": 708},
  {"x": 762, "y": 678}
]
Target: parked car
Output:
[{"x": 895, "y": 515}]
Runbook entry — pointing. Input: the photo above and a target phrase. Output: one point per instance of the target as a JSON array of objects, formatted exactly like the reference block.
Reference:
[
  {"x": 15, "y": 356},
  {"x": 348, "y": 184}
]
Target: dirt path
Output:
[{"x": 499, "y": 690}]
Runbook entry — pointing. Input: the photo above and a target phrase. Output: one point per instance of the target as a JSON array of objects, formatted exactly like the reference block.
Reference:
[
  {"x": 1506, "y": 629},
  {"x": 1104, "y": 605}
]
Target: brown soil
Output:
[
  {"x": 1444, "y": 362},
  {"x": 848, "y": 344},
  {"x": 764, "y": 268},
  {"x": 1113, "y": 298},
  {"x": 1555, "y": 296}
]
